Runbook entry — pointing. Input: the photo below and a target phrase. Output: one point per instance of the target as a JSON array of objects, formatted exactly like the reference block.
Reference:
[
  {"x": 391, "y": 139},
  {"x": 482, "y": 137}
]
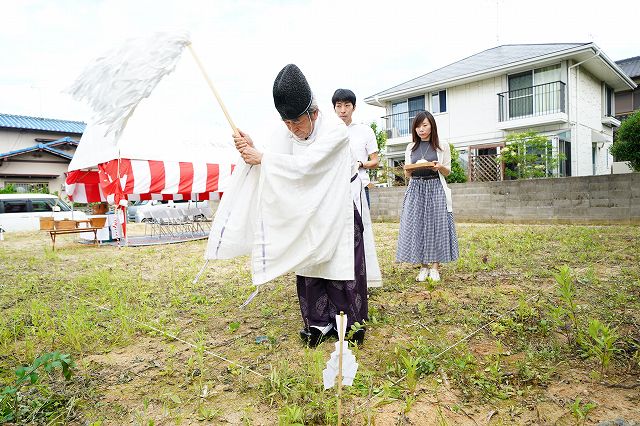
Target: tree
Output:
[
  {"x": 380, "y": 173},
  {"x": 528, "y": 155},
  {"x": 381, "y": 137},
  {"x": 458, "y": 174},
  {"x": 626, "y": 147}
]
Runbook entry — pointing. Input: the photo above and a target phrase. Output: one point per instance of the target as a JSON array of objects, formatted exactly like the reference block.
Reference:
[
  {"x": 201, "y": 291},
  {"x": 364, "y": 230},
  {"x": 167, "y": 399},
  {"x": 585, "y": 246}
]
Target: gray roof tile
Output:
[
  {"x": 488, "y": 59},
  {"x": 631, "y": 66}
]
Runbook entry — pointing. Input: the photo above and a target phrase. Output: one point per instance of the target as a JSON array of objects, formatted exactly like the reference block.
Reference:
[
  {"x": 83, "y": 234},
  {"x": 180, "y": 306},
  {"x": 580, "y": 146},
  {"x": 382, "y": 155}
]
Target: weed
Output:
[
  {"x": 291, "y": 416},
  {"x": 532, "y": 370},
  {"x": 408, "y": 403},
  {"x": 580, "y": 410},
  {"x": 279, "y": 383},
  {"x": 601, "y": 343},
  {"x": 410, "y": 367},
  {"x": 17, "y": 405},
  {"x": 567, "y": 310},
  {"x": 208, "y": 413}
]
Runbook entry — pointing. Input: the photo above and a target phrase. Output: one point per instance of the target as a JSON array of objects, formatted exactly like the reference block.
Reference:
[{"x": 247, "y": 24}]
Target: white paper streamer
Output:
[
  {"x": 116, "y": 82},
  {"x": 349, "y": 364}
]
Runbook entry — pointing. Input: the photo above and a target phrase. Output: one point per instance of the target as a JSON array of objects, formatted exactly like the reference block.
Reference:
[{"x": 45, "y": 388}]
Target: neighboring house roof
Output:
[
  {"x": 45, "y": 124},
  {"x": 490, "y": 60},
  {"x": 46, "y": 147},
  {"x": 631, "y": 66}
]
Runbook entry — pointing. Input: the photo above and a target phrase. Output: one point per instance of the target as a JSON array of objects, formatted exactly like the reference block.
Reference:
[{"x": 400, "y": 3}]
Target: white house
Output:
[{"x": 564, "y": 91}]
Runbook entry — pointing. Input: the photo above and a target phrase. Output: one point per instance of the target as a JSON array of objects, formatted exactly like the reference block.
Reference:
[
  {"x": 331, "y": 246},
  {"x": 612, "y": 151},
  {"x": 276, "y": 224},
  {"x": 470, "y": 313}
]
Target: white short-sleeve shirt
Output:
[{"x": 362, "y": 142}]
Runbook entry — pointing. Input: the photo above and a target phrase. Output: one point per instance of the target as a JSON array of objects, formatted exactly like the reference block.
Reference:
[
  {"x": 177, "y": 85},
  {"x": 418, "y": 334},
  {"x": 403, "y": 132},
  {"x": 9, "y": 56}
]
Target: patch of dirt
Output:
[
  {"x": 611, "y": 402},
  {"x": 125, "y": 374}
]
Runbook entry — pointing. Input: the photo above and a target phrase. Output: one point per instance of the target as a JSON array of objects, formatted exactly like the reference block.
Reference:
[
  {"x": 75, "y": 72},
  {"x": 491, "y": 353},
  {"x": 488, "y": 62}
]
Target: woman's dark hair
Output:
[
  {"x": 343, "y": 95},
  {"x": 419, "y": 118}
]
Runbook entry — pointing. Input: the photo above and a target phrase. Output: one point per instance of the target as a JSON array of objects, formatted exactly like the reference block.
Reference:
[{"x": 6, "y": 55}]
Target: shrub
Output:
[
  {"x": 627, "y": 144},
  {"x": 528, "y": 155},
  {"x": 458, "y": 174}
]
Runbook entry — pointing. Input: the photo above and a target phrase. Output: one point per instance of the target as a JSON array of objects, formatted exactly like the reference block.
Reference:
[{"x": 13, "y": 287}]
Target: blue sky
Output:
[{"x": 367, "y": 46}]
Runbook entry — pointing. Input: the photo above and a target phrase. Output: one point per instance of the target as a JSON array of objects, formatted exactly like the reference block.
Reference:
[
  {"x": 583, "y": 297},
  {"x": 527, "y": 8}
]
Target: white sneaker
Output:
[
  {"x": 422, "y": 275},
  {"x": 434, "y": 274}
]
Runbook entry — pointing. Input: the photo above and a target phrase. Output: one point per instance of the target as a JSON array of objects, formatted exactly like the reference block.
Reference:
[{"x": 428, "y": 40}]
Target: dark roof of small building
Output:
[
  {"x": 491, "y": 58},
  {"x": 46, "y": 147},
  {"x": 631, "y": 66},
  {"x": 45, "y": 124}
]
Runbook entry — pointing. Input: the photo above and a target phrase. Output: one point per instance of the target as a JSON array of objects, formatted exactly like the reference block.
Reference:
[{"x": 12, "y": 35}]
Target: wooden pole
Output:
[
  {"x": 341, "y": 340},
  {"x": 213, "y": 89}
]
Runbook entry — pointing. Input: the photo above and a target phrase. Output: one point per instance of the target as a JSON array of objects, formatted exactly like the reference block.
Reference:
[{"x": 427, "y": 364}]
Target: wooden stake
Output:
[
  {"x": 213, "y": 89},
  {"x": 341, "y": 340}
]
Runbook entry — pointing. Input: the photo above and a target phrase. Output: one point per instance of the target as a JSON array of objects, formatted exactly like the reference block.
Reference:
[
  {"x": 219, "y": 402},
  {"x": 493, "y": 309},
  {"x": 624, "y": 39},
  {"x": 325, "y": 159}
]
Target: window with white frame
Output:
[
  {"x": 402, "y": 114},
  {"x": 608, "y": 102},
  {"x": 399, "y": 122},
  {"x": 535, "y": 92},
  {"x": 439, "y": 102},
  {"x": 564, "y": 148}
]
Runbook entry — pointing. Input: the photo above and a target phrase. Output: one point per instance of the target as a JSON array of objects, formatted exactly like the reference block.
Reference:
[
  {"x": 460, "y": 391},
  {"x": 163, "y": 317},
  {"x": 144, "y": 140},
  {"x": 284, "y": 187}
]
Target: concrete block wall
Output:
[{"x": 604, "y": 199}]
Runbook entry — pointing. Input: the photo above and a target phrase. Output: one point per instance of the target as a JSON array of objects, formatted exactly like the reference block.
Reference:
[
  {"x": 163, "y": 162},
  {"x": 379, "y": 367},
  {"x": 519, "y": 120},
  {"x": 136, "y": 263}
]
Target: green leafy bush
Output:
[
  {"x": 458, "y": 174},
  {"x": 528, "y": 155},
  {"x": 627, "y": 144}
]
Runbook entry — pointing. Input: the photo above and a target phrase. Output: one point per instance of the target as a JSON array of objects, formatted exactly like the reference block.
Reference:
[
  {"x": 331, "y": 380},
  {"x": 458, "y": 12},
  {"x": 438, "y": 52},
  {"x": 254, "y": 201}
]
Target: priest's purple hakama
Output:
[{"x": 321, "y": 299}]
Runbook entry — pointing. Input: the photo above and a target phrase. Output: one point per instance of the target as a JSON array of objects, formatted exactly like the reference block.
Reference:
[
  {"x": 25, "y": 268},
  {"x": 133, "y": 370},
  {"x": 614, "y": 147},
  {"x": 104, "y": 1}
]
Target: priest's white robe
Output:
[{"x": 293, "y": 212}]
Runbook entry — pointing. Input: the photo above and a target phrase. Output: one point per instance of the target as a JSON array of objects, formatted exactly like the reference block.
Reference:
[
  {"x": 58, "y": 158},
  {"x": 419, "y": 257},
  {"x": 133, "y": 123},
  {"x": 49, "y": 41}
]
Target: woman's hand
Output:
[{"x": 440, "y": 168}]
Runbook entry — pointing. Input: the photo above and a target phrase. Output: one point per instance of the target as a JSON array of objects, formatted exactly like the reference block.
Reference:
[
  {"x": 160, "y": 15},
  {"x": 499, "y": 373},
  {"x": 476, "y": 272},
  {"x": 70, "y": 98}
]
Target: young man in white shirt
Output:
[{"x": 362, "y": 140}]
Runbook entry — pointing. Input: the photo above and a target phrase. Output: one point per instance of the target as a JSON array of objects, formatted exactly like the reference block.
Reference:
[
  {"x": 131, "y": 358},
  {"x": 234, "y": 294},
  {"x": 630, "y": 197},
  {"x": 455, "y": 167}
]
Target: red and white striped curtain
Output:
[
  {"x": 84, "y": 187},
  {"x": 147, "y": 179}
]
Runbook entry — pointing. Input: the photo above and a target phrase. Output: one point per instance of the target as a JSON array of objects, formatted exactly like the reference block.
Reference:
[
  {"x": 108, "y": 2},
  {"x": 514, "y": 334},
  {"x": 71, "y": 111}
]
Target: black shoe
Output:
[
  {"x": 357, "y": 336},
  {"x": 304, "y": 334},
  {"x": 312, "y": 336}
]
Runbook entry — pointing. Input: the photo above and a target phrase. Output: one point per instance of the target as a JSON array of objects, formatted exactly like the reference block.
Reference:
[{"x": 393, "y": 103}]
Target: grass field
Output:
[{"x": 560, "y": 306}]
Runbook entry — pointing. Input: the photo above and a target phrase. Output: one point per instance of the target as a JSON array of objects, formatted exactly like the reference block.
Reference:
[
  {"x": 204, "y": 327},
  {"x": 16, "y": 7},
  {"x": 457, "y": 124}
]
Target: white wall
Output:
[
  {"x": 586, "y": 112},
  {"x": 472, "y": 115},
  {"x": 11, "y": 140}
]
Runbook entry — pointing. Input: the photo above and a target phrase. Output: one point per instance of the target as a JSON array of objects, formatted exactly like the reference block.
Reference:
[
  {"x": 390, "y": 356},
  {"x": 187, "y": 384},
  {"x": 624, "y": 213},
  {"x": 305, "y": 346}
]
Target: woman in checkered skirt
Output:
[{"x": 427, "y": 230}]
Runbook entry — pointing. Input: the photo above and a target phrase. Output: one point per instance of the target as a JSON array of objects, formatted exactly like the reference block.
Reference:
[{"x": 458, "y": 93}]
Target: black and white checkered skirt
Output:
[{"x": 427, "y": 229}]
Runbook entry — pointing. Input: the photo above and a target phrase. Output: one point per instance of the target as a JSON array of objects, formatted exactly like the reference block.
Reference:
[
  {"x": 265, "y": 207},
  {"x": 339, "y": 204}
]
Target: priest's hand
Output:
[
  {"x": 250, "y": 155},
  {"x": 242, "y": 140}
]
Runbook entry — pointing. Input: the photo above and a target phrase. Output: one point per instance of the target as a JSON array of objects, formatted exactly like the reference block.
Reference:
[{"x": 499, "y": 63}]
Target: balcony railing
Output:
[
  {"x": 399, "y": 124},
  {"x": 533, "y": 101}
]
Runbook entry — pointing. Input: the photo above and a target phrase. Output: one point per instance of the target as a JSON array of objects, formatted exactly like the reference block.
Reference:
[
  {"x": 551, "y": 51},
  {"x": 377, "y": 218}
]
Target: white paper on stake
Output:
[
  {"x": 349, "y": 364},
  {"x": 341, "y": 333}
]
